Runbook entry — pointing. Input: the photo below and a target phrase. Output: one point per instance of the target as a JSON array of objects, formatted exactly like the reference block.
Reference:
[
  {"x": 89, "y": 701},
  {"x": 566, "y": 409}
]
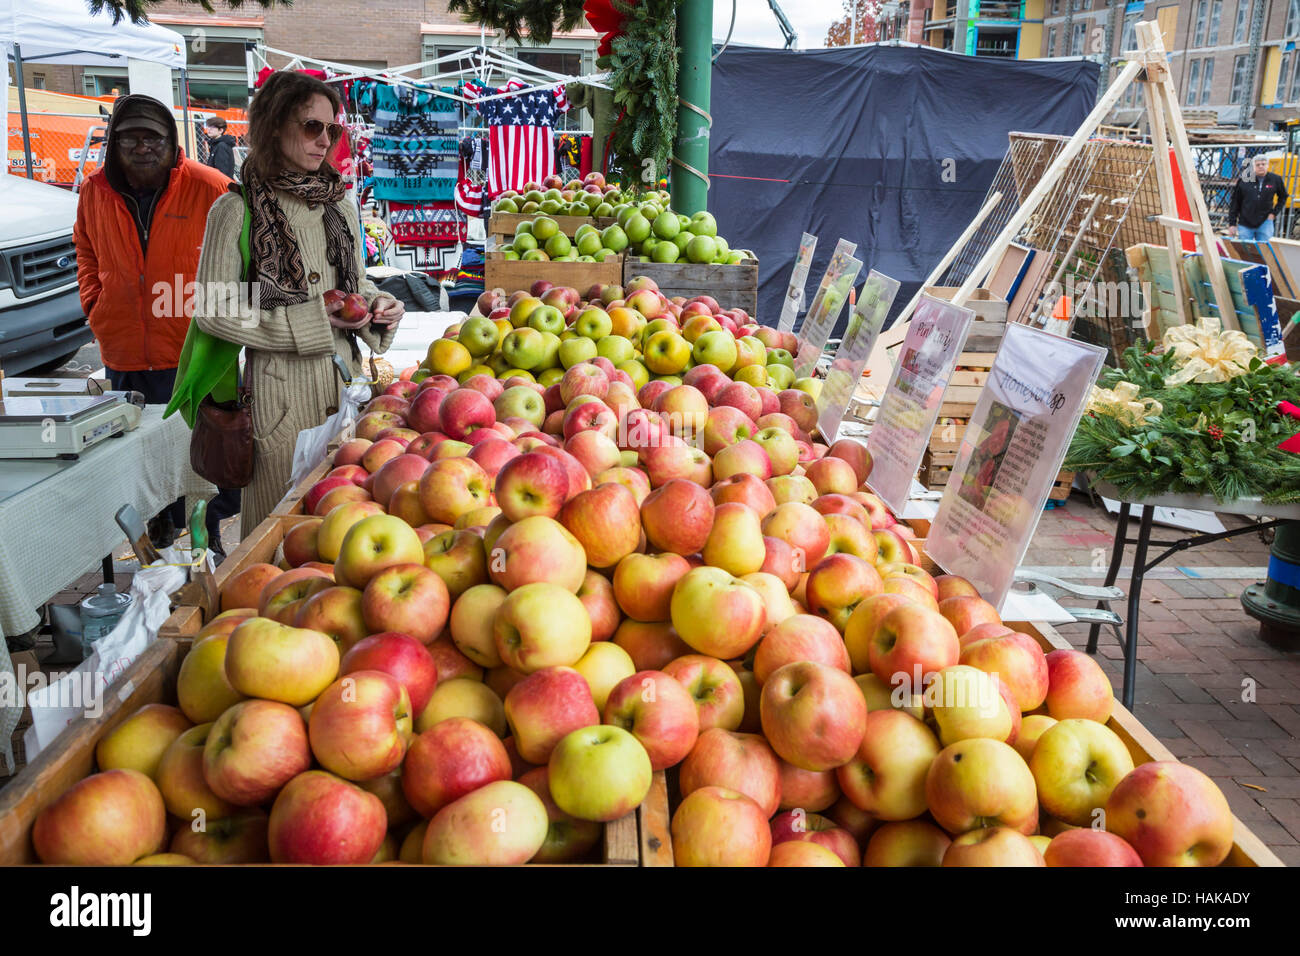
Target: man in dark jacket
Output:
[
  {"x": 221, "y": 146},
  {"x": 1256, "y": 198}
]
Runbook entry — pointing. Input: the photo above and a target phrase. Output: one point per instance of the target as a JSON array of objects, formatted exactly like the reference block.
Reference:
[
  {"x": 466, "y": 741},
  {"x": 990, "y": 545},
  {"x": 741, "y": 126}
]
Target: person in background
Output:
[
  {"x": 140, "y": 221},
  {"x": 221, "y": 146},
  {"x": 305, "y": 239},
  {"x": 1256, "y": 198}
]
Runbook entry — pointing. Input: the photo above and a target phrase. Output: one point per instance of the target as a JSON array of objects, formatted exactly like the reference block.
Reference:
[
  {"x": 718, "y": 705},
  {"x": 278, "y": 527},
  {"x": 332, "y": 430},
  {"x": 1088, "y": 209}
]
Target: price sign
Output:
[
  {"x": 865, "y": 323},
  {"x": 794, "y": 295},
  {"x": 911, "y": 404},
  {"x": 1010, "y": 456},
  {"x": 826, "y": 307}
]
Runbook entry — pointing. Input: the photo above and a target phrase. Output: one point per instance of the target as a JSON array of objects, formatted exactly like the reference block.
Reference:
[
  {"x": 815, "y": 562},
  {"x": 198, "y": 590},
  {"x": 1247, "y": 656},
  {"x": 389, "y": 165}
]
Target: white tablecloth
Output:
[{"x": 59, "y": 526}]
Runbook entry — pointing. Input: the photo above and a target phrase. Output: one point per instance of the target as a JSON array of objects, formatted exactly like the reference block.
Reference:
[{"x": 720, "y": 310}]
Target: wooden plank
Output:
[
  {"x": 515, "y": 274},
  {"x": 291, "y": 504},
  {"x": 655, "y": 821},
  {"x": 506, "y": 223},
  {"x": 734, "y": 286},
  {"x": 1248, "y": 849},
  {"x": 621, "y": 843},
  {"x": 71, "y": 755},
  {"x": 1165, "y": 183}
]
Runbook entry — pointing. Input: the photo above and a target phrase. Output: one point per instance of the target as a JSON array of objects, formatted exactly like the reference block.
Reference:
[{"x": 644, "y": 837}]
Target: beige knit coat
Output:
[{"x": 288, "y": 350}]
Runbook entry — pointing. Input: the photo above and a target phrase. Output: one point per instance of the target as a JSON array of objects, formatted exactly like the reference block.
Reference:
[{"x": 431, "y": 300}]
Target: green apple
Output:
[
  {"x": 604, "y": 254},
  {"x": 591, "y": 201},
  {"x": 700, "y": 249},
  {"x": 613, "y": 237},
  {"x": 551, "y": 207},
  {"x": 521, "y": 401},
  {"x": 703, "y": 224},
  {"x": 603, "y": 211},
  {"x": 577, "y": 350},
  {"x": 536, "y": 255},
  {"x": 553, "y": 194},
  {"x": 716, "y": 348},
  {"x": 510, "y": 255},
  {"x": 635, "y": 371},
  {"x": 780, "y": 357},
  {"x": 682, "y": 240},
  {"x": 544, "y": 228},
  {"x": 665, "y": 251},
  {"x": 533, "y": 195},
  {"x": 550, "y": 376},
  {"x": 524, "y": 242},
  {"x": 637, "y": 228},
  {"x": 593, "y": 323},
  {"x": 505, "y": 205},
  {"x": 657, "y": 325},
  {"x": 546, "y": 318},
  {"x": 479, "y": 335},
  {"x": 589, "y": 243},
  {"x": 524, "y": 228},
  {"x": 558, "y": 246},
  {"x": 497, "y": 363},
  {"x": 616, "y": 348},
  {"x": 599, "y": 773},
  {"x": 812, "y": 386},
  {"x": 551, "y": 357},
  {"x": 523, "y": 348},
  {"x": 666, "y": 225},
  {"x": 780, "y": 377}
]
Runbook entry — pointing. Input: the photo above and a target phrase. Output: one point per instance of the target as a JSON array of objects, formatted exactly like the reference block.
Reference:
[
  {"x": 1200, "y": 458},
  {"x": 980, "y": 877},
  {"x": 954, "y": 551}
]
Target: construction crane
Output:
[{"x": 784, "y": 23}]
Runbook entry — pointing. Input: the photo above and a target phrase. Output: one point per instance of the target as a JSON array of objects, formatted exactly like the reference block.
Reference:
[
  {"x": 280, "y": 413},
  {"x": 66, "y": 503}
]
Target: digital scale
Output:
[{"x": 61, "y": 426}]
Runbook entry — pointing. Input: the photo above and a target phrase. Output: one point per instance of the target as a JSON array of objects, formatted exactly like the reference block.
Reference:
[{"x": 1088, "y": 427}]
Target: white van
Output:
[{"x": 41, "y": 321}]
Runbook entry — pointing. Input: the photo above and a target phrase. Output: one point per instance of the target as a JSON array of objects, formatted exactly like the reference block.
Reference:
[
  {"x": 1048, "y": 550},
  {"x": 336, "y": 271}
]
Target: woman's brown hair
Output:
[{"x": 275, "y": 104}]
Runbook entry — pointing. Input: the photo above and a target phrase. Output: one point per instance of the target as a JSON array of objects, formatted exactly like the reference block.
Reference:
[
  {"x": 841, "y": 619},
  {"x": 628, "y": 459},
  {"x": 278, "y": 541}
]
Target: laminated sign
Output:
[
  {"x": 1010, "y": 456},
  {"x": 911, "y": 404},
  {"x": 865, "y": 323},
  {"x": 798, "y": 279},
  {"x": 825, "y": 309}
]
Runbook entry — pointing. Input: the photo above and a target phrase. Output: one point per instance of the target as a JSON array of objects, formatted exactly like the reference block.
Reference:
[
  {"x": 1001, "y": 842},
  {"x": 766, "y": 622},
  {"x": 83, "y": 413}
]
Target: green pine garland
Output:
[
  {"x": 643, "y": 64},
  {"x": 1217, "y": 439}
]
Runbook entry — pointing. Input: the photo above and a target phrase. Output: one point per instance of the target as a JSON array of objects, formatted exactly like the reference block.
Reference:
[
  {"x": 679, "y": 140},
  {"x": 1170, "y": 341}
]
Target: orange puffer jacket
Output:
[{"x": 140, "y": 305}]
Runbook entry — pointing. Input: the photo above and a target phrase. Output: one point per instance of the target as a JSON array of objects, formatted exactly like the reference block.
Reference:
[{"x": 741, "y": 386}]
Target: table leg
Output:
[
  {"x": 1134, "y": 604},
  {"x": 109, "y": 577},
  {"x": 1116, "y": 559}
]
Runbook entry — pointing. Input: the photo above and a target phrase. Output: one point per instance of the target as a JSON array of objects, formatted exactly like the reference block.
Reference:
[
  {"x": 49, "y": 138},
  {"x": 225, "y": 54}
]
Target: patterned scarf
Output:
[{"x": 276, "y": 260}]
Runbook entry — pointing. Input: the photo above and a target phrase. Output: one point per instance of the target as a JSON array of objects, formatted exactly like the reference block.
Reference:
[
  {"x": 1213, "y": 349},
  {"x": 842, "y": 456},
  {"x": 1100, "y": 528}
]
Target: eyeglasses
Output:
[
  {"x": 152, "y": 141},
  {"x": 314, "y": 127}
]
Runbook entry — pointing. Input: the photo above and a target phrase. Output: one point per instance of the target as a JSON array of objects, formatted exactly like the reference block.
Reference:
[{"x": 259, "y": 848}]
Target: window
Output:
[
  {"x": 1292, "y": 19},
  {"x": 1243, "y": 20},
  {"x": 1056, "y": 7},
  {"x": 1293, "y": 94},
  {"x": 1079, "y": 6},
  {"x": 216, "y": 51},
  {"x": 1216, "y": 12},
  {"x": 97, "y": 84},
  {"x": 218, "y": 95},
  {"x": 1051, "y": 41},
  {"x": 566, "y": 63},
  {"x": 1193, "y": 82},
  {"x": 1128, "y": 38},
  {"x": 38, "y": 81},
  {"x": 1077, "y": 40},
  {"x": 1238, "y": 80},
  {"x": 1198, "y": 31},
  {"x": 1283, "y": 66},
  {"x": 1207, "y": 79}
]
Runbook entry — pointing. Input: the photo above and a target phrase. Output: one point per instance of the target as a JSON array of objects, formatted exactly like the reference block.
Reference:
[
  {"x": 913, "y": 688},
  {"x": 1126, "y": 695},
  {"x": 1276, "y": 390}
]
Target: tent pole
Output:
[
  {"x": 694, "y": 80},
  {"x": 185, "y": 112},
  {"x": 22, "y": 107}
]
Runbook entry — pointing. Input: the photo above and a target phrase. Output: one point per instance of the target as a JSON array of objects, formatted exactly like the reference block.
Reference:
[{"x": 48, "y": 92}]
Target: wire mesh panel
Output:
[
  {"x": 1100, "y": 205},
  {"x": 1220, "y": 165}
]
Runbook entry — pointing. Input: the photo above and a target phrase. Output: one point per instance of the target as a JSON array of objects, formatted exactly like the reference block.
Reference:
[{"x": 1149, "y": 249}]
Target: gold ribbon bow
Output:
[
  {"x": 1206, "y": 356},
  {"x": 1122, "y": 403}
]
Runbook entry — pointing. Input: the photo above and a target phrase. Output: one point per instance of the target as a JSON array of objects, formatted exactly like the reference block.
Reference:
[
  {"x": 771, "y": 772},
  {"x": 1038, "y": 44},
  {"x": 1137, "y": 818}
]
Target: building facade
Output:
[{"x": 1236, "y": 58}]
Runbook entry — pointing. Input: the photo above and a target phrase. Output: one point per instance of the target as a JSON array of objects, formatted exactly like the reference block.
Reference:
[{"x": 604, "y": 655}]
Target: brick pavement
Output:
[{"x": 1199, "y": 659}]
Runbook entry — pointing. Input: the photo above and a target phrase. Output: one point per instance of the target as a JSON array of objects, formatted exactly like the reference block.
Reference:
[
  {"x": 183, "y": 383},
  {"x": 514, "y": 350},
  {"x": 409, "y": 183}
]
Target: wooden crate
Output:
[
  {"x": 1061, "y": 489},
  {"x": 515, "y": 274},
  {"x": 504, "y": 224},
  {"x": 640, "y": 838},
  {"x": 990, "y": 322},
  {"x": 292, "y": 503},
  {"x": 735, "y": 287}
]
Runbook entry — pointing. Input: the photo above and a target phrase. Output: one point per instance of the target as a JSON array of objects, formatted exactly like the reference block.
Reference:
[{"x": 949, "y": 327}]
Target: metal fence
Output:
[{"x": 1220, "y": 165}]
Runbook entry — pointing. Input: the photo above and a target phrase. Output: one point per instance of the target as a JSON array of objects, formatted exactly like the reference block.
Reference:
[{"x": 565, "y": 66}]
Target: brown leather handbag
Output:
[{"x": 221, "y": 445}]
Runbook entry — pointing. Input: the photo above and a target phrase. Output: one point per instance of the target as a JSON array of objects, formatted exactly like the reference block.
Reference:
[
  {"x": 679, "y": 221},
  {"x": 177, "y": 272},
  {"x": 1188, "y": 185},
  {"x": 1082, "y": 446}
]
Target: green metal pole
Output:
[{"x": 690, "y": 183}]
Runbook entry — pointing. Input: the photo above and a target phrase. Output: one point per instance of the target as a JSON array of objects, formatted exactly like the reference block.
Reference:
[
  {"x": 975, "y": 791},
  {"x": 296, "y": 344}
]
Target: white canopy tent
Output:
[{"x": 65, "y": 32}]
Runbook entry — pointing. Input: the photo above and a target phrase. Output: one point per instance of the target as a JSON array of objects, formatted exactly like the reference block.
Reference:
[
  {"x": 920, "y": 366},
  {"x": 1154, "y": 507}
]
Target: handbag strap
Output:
[{"x": 246, "y": 256}]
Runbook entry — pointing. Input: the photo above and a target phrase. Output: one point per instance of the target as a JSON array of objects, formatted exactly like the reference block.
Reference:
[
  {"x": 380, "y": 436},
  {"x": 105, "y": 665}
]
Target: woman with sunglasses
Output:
[{"x": 304, "y": 240}]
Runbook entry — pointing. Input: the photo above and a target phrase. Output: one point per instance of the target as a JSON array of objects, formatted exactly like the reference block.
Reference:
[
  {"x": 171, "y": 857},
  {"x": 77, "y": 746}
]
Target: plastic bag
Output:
[
  {"x": 81, "y": 693},
  {"x": 309, "y": 451}
]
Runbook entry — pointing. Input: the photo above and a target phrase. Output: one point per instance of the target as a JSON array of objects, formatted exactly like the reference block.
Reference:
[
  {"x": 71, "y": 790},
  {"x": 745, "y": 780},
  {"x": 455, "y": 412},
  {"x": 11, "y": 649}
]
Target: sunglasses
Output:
[{"x": 314, "y": 127}]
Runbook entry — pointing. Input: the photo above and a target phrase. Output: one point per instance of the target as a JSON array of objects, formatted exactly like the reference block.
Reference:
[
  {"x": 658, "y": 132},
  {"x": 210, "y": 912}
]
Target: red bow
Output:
[
  {"x": 606, "y": 20},
  {"x": 1292, "y": 444}
]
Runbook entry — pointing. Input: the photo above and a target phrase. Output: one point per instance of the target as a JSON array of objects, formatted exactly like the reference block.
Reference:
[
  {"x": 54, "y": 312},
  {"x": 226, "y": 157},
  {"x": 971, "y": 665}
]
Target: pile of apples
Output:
[
  {"x": 650, "y": 230},
  {"x": 590, "y": 196},
  {"x": 537, "y": 334},
  {"x": 489, "y": 636}
]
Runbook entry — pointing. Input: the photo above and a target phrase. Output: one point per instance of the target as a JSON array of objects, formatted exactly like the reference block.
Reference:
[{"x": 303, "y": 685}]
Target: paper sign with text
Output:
[
  {"x": 794, "y": 295},
  {"x": 865, "y": 323},
  {"x": 825, "y": 311},
  {"x": 912, "y": 399},
  {"x": 1010, "y": 456}
]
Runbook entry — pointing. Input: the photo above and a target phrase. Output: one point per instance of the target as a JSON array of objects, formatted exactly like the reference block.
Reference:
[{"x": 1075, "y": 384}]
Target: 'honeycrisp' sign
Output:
[
  {"x": 1010, "y": 456},
  {"x": 794, "y": 295}
]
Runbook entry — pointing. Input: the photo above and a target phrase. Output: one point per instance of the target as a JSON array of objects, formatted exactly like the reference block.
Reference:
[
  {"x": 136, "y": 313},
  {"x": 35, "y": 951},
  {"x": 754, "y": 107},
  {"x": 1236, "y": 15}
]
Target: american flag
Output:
[{"x": 520, "y": 139}]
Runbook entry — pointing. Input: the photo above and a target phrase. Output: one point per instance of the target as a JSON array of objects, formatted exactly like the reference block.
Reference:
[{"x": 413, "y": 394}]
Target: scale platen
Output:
[{"x": 59, "y": 427}]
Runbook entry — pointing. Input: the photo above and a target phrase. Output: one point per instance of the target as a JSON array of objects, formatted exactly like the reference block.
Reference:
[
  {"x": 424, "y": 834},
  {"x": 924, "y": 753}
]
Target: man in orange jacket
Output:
[{"x": 140, "y": 223}]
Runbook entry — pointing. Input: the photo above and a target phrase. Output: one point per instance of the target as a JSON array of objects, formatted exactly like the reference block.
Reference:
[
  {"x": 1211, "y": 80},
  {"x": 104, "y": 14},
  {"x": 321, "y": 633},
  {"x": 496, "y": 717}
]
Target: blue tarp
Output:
[{"x": 891, "y": 147}]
